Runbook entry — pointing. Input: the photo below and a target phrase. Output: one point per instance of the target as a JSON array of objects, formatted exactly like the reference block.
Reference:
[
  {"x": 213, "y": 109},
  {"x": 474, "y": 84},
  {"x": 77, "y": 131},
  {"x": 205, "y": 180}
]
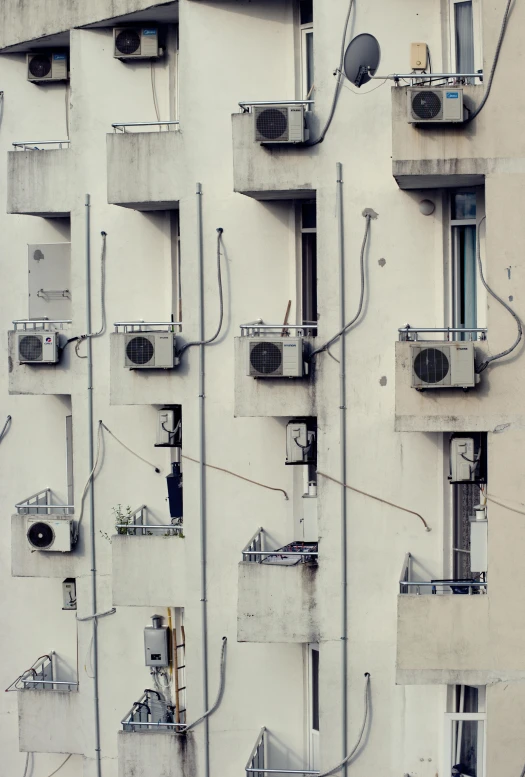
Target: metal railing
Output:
[
  {"x": 254, "y": 552},
  {"x": 427, "y": 76},
  {"x": 152, "y": 712},
  {"x": 40, "y": 324},
  {"x": 258, "y": 760},
  {"x": 245, "y": 105},
  {"x": 121, "y": 125},
  {"x": 145, "y": 326},
  {"x": 41, "y": 503},
  {"x": 136, "y": 523},
  {"x": 411, "y": 333},
  {"x": 260, "y": 329},
  {"x": 32, "y": 145},
  {"x": 41, "y": 676},
  {"x": 409, "y": 586}
]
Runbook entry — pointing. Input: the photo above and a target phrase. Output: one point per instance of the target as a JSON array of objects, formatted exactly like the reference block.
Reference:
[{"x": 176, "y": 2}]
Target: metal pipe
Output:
[
  {"x": 454, "y": 330},
  {"x": 202, "y": 483},
  {"x": 41, "y": 142},
  {"x": 284, "y": 326},
  {"x": 148, "y": 526},
  {"x": 246, "y": 103},
  {"x": 426, "y": 76},
  {"x": 118, "y": 124},
  {"x": 342, "y": 469},
  {"x": 91, "y": 489}
]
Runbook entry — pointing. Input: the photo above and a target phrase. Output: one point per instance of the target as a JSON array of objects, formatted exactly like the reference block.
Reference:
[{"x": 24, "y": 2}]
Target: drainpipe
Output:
[
  {"x": 342, "y": 470},
  {"x": 202, "y": 484},
  {"x": 91, "y": 486}
]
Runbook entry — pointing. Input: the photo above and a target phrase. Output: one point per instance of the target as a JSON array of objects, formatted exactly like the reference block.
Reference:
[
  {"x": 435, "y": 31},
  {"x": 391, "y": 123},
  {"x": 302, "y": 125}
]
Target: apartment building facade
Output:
[{"x": 147, "y": 210}]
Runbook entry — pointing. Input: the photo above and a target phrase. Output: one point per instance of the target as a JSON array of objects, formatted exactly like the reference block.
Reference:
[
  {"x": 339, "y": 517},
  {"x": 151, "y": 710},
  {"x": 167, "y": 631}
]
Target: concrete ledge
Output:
[
  {"x": 148, "y": 753},
  {"x": 142, "y": 387},
  {"x": 277, "y": 603},
  {"x": 26, "y": 562},
  {"x": 273, "y": 397},
  {"x": 162, "y": 564},
  {"x": 270, "y": 172},
  {"x": 39, "y": 183},
  {"x": 38, "y": 378},
  {"x": 50, "y": 722},
  {"x": 145, "y": 169}
]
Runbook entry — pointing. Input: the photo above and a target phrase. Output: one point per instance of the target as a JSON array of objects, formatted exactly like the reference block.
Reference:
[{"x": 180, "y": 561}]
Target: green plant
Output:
[{"x": 123, "y": 516}]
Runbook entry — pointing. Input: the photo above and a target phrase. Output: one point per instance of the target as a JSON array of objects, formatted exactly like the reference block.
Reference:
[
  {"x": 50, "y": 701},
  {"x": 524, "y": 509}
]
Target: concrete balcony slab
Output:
[
  {"x": 50, "y": 722},
  {"x": 277, "y": 603},
  {"x": 38, "y": 378},
  {"x": 145, "y": 169},
  {"x": 39, "y": 183},
  {"x": 27, "y": 562},
  {"x": 141, "y": 386},
  {"x": 145, "y": 753},
  {"x": 162, "y": 564},
  {"x": 274, "y": 397},
  {"x": 278, "y": 172}
]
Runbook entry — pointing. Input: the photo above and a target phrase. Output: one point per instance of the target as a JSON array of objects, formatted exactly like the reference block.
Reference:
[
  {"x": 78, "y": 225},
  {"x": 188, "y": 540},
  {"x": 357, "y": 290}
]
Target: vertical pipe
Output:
[
  {"x": 91, "y": 485},
  {"x": 342, "y": 434},
  {"x": 202, "y": 484}
]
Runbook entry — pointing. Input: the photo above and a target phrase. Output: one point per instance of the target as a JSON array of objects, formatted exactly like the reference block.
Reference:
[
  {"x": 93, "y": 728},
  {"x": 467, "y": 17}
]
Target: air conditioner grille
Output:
[
  {"x": 128, "y": 41},
  {"x": 431, "y": 365},
  {"x": 140, "y": 350},
  {"x": 30, "y": 348},
  {"x": 266, "y": 358},
  {"x": 41, "y": 535},
  {"x": 426, "y": 105},
  {"x": 40, "y": 66},
  {"x": 272, "y": 124}
]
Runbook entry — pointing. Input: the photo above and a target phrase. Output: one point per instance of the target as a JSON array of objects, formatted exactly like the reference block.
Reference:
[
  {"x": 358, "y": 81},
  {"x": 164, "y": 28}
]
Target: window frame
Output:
[
  {"x": 477, "y": 31},
  {"x": 453, "y": 717},
  {"x": 301, "y": 232},
  {"x": 306, "y": 30}
]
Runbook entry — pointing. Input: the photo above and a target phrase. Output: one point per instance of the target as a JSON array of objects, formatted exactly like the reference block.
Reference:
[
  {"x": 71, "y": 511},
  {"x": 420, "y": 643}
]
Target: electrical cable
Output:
[
  {"x": 368, "y": 216},
  {"x": 7, "y": 425},
  {"x": 361, "y": 732},
  {"x": 377, "y": 498},
  {"x": 235, "y": 475},
  {"x": 221, "y": 689},
  {"x": 154, "y": 90},
  {"x": 338, "y": 83},
  {"x": 490, "y": 359},
  {"x": 61, "y": 765},
  {"x": 27, "y": 764},
  {"x": 480, "y": 107},
  {"x": 102, "y": 329},
  {"x": 221, "y": 301},
  {"x": 137, "y": 456}
]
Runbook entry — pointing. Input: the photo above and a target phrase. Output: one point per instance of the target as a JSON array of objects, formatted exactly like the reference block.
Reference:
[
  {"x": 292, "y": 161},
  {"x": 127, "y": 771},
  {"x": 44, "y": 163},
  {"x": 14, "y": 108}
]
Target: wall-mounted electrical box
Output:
[
  {"x": 300, "y": 443},
  {"x": 69, "y": 594},
  {"x": 169, "y": 427},
  {"x": 156, "y": 643},
  {"x": 418, "y": 56},
  {"x": 468, "y": 459}
]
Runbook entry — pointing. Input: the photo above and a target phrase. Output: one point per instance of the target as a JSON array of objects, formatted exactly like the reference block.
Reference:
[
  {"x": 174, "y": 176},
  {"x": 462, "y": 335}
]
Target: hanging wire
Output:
[
  {"x": 241, "y": 477},
  {"x": 361, "y": 732},
  {"x": 102, "y": 329},
  {"x": 6, "y": 428},
  {"x": 221, "y": 688}
]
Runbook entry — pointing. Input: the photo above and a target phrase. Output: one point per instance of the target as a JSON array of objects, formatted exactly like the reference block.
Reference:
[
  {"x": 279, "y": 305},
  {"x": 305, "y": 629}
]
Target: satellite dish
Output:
[{"x": 362, "y": 59}]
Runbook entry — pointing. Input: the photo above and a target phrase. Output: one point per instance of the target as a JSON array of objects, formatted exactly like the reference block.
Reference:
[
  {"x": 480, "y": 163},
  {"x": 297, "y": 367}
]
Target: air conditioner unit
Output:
[
  {"x": 150, "y": 350},
  {"x": 275, "y": 357},
  {"x": 37, "y": 348},
  {"x": 435, "y": 106},
  {"x": 300, "y": 443},
  {"x": 47, "y": 66},
  {"x": 54, "y": 534},
  {"x": 136, "y": 42},
  {"x": 443, "y": 365},
  {"x": 280, "y": 124}
]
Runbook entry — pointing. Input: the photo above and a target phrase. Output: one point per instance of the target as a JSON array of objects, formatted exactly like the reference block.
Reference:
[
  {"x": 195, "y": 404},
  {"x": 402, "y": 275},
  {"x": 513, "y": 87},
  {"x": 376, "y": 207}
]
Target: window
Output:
[
  {"x": 465, "y": 731},
  {"x": 308, "y": 224},
  {"x": 465, "y": 37},
  {"x": 307, "y": 47},
  {"x": 468, "y": 299},
  {"x": 313, "y": 704}
]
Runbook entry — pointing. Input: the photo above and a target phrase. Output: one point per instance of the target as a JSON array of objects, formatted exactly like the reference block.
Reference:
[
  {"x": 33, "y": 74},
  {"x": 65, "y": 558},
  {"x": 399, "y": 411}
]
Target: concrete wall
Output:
[
  {"x": 38, "y": 378},
  {"x": 40, "y": 182},
  {"x": 50, "y": 722},
  {"x": 173, "y": 756},
  {"x": 160, "y": 565}
]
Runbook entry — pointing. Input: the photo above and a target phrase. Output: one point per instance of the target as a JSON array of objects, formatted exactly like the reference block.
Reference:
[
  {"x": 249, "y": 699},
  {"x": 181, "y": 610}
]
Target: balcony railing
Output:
[
  {"x": 246, "y": 105},
  {"x": 42, "y": 503},
  {"x": 152, "y": 713},
  {"x": 289, "y": 555},
  {"x": 409, "y": 333},
  {"x": 40, "y": 324},
  {"x": 258, "y": 761},
  {"x": 33, "y": 145},
  {"x": 123, "y": 125},
  {"x": 260, "y": 329},
  {"x": 136, "y": 523},
  {"x": 449, "y": 586},
  {"x": 41, "y": 675},
  {"x": 132, "y": 327}
]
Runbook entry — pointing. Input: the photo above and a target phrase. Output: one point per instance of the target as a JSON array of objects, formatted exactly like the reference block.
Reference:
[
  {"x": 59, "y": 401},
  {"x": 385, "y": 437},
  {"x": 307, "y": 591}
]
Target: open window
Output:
[
  {"x": 465, "y": 731},
  {"x": 467, "y": 295},
  {"x": 313, "y": 705},
  {"x": 306, "y": 15},
  {"x": 308, "y": 253},
  {"x": 465, "y": 37}
]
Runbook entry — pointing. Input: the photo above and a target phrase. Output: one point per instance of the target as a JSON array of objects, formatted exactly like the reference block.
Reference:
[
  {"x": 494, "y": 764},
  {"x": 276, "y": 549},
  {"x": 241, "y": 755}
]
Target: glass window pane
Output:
[
  {"x": 309, "y": 64},
  {"x": 308, "y": 215},
  {"x": 315, "y": 689},
  {"x": 464, "y": 29},
  {"x": 467, "y": 744},
  {"x": 464, "y": 205},
  {"x": 309, "y": 277},
  {"x": 307, "y": 11}
]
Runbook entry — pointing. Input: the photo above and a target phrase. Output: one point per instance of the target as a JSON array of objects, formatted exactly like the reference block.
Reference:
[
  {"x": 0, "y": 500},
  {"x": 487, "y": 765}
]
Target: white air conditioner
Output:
[
  {"x": 135, "y": 42},
  {"x": 150, "y": 350},
  {"x": 47, "y": 66},
  {"x": 435, "y": 106},
  {"x": 50, "y": 533},
  {"x": 280, "y": 124},
  {"x": 443, "y": 365},
  {"x": 37, "y": 347},
  {"x": 275, "y": 357},
  {"x": 300, "y": 443}
]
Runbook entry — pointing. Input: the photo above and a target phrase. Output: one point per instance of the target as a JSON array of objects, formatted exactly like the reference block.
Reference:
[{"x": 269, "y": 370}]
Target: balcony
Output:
[
  {"x": 158, "y": 550},
  {"x": 279, "y": 171},
  {"x": 48, "y": 709},
  {"x": 38, "y": 377},
  {"x": 138, "y": 380},
  {"x": 269, "y": 756},
  {"x": 277, "y": 595},
  {"x": 443, "y": 637},
  {"x": 39, "y": 179},
  {"x": 25, "y": 560},
  {"x": 145, "y": 168},
  {"x": 256, "y": 392}
]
